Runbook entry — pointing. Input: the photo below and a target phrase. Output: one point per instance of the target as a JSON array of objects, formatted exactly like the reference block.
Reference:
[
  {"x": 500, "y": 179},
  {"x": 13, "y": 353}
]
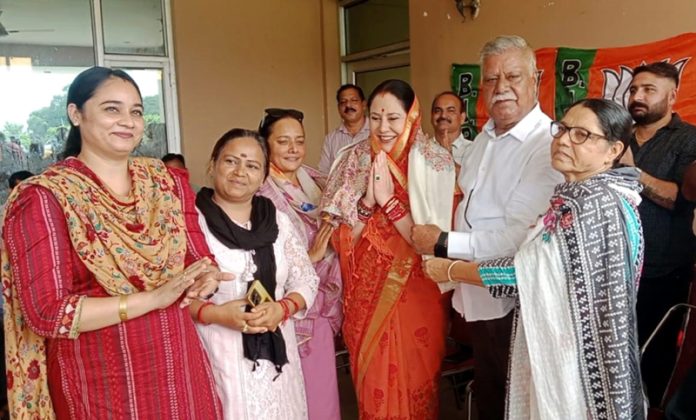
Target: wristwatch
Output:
[{"x": 441, "y": 245}]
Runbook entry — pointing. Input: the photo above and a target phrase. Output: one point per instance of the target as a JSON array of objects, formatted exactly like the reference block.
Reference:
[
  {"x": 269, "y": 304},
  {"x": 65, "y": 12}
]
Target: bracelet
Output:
[
  {"x": 441, "y": 245},
  {"x": 364, "y": 212},
  {"x": 286, "y": 310},
  {"x": 397, "y": 212},
  {"x": 295, "y": 306},
  {"x": 199, "y": 312},
  {"x": 123, "y": 308},
  {"x": 449, "y": 270},
  {"x": 391, "y": 203}
]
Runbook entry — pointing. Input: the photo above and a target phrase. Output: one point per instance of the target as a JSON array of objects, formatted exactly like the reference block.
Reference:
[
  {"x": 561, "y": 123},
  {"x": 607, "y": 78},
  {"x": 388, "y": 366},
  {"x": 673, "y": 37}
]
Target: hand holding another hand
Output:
[
  {"x": 169, "y": 292},
  {"x": 207, "y": 282},
  {"x": 270, "y": 315},
  {"x": 424, "y": 238},
  {"x": 231, "y": 315}
]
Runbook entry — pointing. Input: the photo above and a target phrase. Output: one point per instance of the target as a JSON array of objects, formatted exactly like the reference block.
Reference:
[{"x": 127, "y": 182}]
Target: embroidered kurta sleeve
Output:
[
  {"x": 499, "y": 277},
  {"x": 302, "y": 278},
  {"x": 40, "y": 252},
  {"x": 196, "y": 247}
]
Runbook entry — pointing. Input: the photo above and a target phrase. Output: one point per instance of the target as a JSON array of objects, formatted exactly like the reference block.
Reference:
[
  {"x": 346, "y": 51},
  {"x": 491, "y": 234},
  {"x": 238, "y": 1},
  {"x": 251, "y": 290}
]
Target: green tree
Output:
[
  {"x": 45, "y": 121},
  {"x": 15, "y": 130},
  {"x": 152, "y": 109}
]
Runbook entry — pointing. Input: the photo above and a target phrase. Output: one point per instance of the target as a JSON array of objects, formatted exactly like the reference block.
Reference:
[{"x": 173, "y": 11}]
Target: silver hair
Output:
[{"x": 504, "y": 43}]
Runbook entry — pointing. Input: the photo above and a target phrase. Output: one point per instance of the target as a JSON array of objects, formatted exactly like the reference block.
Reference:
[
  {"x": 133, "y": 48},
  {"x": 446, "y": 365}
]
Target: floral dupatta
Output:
[
  {"x": 128, "y": 247},
  {"x": 301, "y": 202}
]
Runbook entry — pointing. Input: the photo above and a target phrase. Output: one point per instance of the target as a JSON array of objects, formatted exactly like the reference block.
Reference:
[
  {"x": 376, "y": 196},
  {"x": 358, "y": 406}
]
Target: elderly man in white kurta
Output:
[{"x": 507, "y": 181}]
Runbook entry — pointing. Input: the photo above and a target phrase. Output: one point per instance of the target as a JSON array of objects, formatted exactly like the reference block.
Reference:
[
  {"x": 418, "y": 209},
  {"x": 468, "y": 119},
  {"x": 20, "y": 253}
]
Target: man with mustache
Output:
[
  {"x": 447, "y": 116},
  {"x": 507, "y": 180},
  {"x": 662, "y": 147},
  {"x": 354, "y": 126}
]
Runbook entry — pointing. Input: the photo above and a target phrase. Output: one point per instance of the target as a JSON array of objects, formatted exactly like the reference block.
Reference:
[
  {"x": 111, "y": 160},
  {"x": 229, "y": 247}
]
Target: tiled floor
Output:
[{"x": 448, "y": 402}]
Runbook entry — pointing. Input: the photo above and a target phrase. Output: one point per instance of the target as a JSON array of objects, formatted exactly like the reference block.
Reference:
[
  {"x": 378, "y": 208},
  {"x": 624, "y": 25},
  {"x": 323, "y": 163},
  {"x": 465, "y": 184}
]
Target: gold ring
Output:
[{"x": 245, "y": 328}]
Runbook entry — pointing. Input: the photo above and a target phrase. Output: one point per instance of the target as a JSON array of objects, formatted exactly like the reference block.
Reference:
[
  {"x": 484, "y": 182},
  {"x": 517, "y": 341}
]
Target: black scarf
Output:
[{"x": 259, "y": 240}]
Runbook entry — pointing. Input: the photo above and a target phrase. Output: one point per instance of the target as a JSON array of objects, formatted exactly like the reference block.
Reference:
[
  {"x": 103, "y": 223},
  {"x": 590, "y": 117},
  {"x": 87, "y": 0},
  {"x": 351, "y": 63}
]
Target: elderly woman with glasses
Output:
[
  {"x": 248, "y": 327},
  {"x": 296, "y": 189},
  {"x": 574, "y": 350}
]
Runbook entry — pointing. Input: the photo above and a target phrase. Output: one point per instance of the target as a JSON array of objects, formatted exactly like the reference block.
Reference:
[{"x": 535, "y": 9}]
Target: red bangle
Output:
[
  {"x": 200, "y": 310},
  {"x": 286, "y": 310},
  {"x": 295, "y": 306},
  {"x": 364, "y": 212},
  {"x": 397, "y": 214},
  {"x": 389, "y": 205},
  {"x": 394, "y": 210}
]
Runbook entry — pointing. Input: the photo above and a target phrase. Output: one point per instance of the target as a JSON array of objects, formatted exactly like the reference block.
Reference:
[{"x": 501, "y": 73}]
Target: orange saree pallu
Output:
[
  {"x": 394, "y": 327},
  {"x": 395, "y": 317}
]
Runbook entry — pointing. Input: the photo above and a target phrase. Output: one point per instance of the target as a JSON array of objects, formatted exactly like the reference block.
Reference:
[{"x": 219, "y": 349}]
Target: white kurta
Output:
[{"x": 248, "y": 394}]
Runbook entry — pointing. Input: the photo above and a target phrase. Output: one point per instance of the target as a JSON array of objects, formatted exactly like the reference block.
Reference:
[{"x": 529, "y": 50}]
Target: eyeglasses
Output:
[
  {"x": 271, "y": 115},
  {"x": 577, "y": 135}
]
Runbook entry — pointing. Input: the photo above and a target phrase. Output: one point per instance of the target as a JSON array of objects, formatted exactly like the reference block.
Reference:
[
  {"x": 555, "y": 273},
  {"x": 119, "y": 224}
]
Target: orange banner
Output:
[{"x": 569, "y": 74}]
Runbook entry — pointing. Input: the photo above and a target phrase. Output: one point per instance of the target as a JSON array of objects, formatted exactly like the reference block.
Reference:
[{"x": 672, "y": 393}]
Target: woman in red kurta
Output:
[
  {"x": 394, "y": 325},
  {"x": 99, "y": 250}
]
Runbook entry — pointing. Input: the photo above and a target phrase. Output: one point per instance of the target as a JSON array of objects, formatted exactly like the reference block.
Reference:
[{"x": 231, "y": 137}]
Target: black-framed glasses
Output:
[{"x": 577, "y": 135}]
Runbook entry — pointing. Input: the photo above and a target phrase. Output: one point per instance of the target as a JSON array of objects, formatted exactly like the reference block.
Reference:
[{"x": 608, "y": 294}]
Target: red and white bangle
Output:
[{"x": 394, "y": 209}]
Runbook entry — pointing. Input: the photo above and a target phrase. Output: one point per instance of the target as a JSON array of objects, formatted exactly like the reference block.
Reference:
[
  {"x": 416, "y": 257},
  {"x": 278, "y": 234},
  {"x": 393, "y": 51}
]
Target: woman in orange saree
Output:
[{"x": 395, "y": 319}]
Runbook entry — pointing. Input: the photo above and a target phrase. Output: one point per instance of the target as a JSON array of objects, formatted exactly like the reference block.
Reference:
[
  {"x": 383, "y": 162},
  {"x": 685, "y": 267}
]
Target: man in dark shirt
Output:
[{"x": 662, "y": 148}]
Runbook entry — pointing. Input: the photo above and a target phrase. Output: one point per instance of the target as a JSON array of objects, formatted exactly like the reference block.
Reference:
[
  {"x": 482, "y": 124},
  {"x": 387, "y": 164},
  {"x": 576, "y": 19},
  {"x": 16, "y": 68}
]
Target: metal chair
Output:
[
  {"x": 687, "y": 350},
  {"x": 458, "y": 364}
]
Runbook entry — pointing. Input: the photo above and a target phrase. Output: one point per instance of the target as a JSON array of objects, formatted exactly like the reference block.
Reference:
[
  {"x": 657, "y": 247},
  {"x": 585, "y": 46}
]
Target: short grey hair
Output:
[{"x": 504, "y": 43}]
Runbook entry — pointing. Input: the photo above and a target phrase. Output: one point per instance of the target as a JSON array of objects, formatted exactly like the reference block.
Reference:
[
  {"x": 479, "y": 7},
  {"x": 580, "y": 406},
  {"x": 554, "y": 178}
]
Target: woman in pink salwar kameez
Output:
[{"x": 296, "y": 189}]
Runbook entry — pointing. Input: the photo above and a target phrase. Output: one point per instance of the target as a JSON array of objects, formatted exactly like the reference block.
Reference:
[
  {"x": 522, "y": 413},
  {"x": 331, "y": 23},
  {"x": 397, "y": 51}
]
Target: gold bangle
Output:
[
  {"x": 449, "y": 270},
  {"x": 123, "y": 308}
]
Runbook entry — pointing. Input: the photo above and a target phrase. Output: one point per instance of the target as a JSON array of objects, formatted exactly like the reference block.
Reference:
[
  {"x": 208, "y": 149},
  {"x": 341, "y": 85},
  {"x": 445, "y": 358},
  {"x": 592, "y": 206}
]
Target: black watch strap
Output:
[{"x": 441, "y": 245}]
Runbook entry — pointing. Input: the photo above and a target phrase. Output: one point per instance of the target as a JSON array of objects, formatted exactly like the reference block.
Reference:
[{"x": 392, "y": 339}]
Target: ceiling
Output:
[{"x": 127, "y": 23}]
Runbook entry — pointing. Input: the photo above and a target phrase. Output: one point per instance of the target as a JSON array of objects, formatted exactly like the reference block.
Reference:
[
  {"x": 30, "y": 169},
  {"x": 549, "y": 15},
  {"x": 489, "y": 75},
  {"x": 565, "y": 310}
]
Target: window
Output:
[
  {"x": 133, "y": 27},
  {"x": 371, "y": 73},
  {"x": 375, "y": 44},
  {"x": 45, "y": 44},
  {"x": 387, "y": 20}
]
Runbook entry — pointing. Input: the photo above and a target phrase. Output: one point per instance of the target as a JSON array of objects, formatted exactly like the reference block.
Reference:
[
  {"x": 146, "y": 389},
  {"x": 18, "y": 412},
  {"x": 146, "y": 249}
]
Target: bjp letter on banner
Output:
[{"x": 566, "y": 75}]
